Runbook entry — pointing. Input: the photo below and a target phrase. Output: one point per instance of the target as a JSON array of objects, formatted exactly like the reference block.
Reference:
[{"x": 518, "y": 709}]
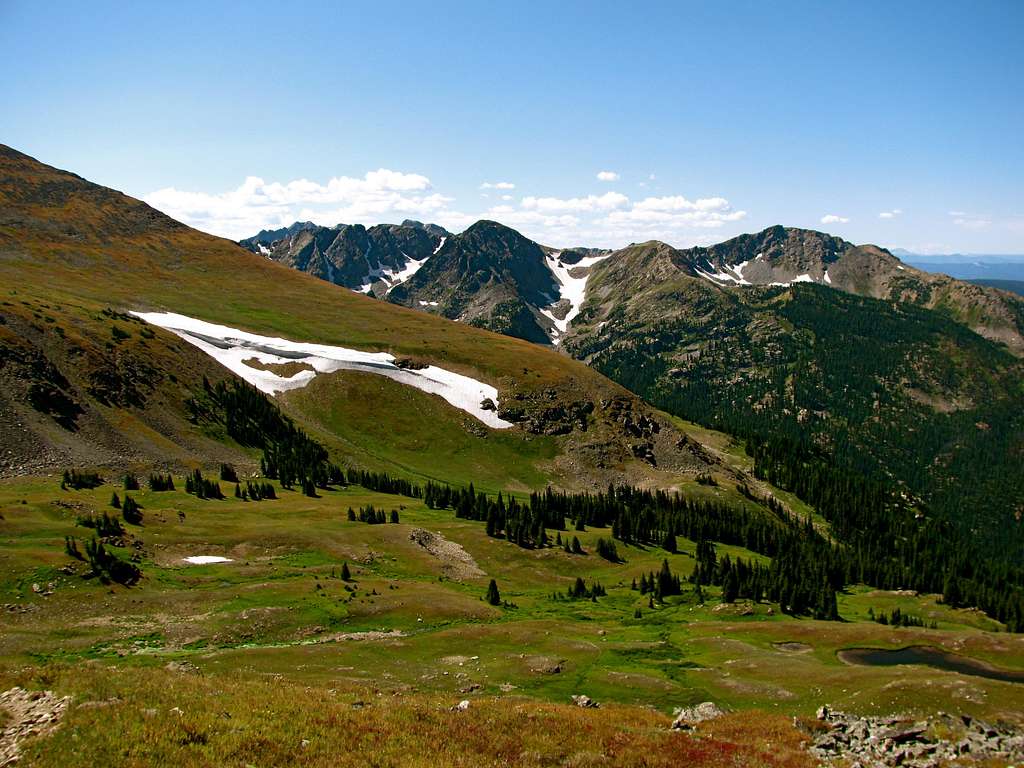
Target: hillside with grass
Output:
[
  {"x": 87, "y": 383},
  {"x": 250, "y": 517},
  {"x": 246, "y": 612}
]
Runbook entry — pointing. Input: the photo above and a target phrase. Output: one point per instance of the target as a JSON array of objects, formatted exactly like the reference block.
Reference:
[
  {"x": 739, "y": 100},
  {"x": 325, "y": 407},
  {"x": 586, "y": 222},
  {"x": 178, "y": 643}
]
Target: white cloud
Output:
[
  {"x": 677, "y": 212},
  {"x": 971, "y": 220},
  {"x": 610, "y": 219},
  {"x": 890, "y": 214},
  {"x": 607, "y": 176},
  {"x": 497, "y": 185},
  {"x": 605, "y": 202},
  {"x": 831, "y": 218},
  {"x": 257, "y": 204}
]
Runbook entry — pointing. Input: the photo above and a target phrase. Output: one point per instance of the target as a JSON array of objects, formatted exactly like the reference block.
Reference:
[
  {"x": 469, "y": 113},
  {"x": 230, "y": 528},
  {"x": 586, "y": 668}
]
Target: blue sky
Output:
[{"x": 711, "y": 118}]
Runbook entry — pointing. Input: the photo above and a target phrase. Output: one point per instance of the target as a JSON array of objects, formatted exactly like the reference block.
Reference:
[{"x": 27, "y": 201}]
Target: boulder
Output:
[
  {"x": 585, "y": 701},
  {"x": 687, "y": 718}
]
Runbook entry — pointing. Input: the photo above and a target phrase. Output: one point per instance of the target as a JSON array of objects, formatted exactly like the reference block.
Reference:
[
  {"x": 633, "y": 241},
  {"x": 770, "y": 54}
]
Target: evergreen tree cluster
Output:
[
  {"x": 571, "y": 548},
  {"x": 384, "y": 483},
  {"x": 72, "y": 478},
  {"x": 104, "y": 525},
  {"x": 228, "y": 473},
  {"x": 803, "y": 577},
  {"x": 131, "y": 511},
  {"x": 160, "y": 483},
  {"x": 606, "y": 548},
  {"x": 255, "y": 491},
  {"x": 891, "y": 542},
  {"x": 660, "y": 584},
  {"x": 104, "y": 563},
  {"x": 250, "y": 418},
  {"x": 899, "y": 619},
  {"x": 372, "y": 516},
  {"x": 202, "y": 487},
  {"x": 580, "y": 591}
]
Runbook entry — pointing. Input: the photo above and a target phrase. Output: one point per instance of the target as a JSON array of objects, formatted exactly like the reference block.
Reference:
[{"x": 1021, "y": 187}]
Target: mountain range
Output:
[
  {"x": 900, "y": 374},
  {"x": 494, "y": 277}
]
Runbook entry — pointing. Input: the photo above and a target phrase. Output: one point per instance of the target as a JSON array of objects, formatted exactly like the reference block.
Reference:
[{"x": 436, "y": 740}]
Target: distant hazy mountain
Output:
[
  {"x": 968, "y": 266},
  {"x": 1013, "y": 286}
]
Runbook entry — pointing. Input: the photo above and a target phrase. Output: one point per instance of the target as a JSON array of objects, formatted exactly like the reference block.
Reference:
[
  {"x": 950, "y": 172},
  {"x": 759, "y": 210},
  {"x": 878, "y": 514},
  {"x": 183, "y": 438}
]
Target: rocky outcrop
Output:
[
  {"x": 546, "y": 413},
  {"x": 880, "y": 742},
  {"x": 688, "y": 717},
  {"x": 32, "y": 714}
]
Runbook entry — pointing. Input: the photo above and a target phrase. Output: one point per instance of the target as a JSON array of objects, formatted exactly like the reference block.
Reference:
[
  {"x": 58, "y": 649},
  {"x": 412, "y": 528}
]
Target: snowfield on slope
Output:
[{"x": 231, "y": 347}]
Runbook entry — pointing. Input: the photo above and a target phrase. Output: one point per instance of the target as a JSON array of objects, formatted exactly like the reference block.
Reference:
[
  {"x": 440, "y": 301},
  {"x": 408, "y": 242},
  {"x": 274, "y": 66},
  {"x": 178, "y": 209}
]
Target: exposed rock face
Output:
[
  {"x": 375, "y": 259},
  {"x": 879, "y": 742},
  {"x": 490, "y": 276}
]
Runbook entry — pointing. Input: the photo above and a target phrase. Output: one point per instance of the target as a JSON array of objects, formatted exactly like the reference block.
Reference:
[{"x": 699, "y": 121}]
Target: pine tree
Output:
[
  {"x": 115, "y": 502},
  {"x": 346, "y": 575},
  {"x": 493, "y": 596},
  {"x": 130, "y": 511},
  {"x": 669, "y": 542}
]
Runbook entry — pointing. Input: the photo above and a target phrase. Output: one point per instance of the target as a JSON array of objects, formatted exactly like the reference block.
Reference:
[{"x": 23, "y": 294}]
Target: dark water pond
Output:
[{"x": 932, "y": 657}]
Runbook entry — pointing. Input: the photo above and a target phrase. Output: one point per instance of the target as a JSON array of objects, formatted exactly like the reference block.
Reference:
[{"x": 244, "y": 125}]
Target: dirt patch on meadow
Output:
[
  {"x": 792, "y": 647},
  {"x": 371, "y": 635},
  {"x": 456, "y": 563}
]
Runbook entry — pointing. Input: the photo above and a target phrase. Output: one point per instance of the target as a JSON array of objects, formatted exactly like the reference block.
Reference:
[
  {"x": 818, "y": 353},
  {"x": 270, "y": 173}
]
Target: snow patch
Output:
[
  {"x": 728, "y": 275},
  {"x": 206, "y": 559},
  {"x": 440, "y": 245},
  {"x": 230, "y": 347},
  {"x": 803, "y": 279},
  {"x": 428, "y": 303},
  {"x": 571, "y": 288},
  {"x": 263, "y": 249},
  {"x": 827, "y": 279}
]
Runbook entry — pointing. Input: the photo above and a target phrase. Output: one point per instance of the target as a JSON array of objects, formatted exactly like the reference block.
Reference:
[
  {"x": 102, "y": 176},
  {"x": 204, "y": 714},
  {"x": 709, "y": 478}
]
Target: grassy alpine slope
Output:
[
  {"x": 242, "y": 648},
  {"x": 71, "y": 252},
  {"x": 277, "y": 656}
]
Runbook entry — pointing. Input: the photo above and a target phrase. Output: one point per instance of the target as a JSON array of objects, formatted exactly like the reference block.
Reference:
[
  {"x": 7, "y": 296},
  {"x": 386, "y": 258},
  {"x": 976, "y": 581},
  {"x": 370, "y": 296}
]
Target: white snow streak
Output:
[
  {"x": 230, "y": 347},
  {"x": 206, "y": 559},
  {"x": 571, "y": 288},
  {"x": 827, "y": 278}
]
